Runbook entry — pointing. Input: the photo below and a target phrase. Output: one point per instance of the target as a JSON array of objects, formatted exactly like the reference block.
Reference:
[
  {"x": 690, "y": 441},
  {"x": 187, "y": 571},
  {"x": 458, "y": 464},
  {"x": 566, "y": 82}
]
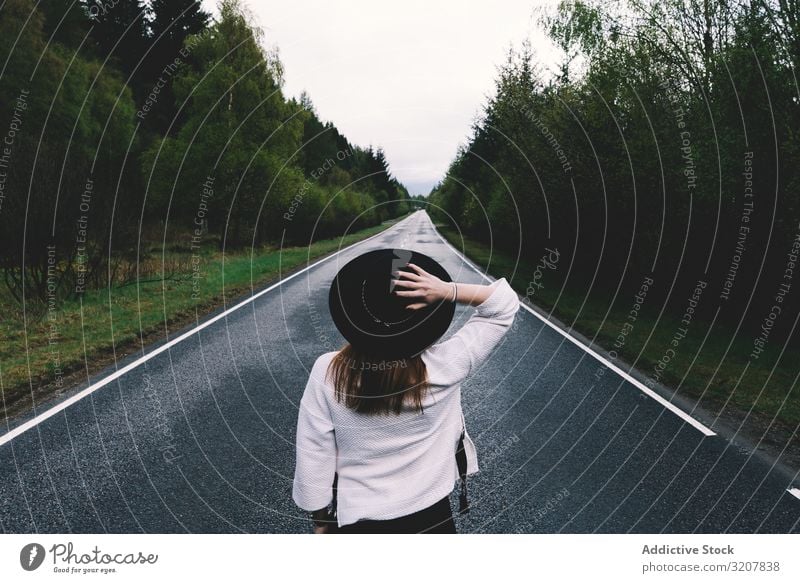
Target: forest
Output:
[
  {"x": 131, "y": 128},
  {"x": 664, "y": 148}
]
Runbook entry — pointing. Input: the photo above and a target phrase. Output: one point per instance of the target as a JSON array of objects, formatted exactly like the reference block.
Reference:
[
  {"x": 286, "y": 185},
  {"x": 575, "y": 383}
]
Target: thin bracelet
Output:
[{"x": 455, "y": 292}]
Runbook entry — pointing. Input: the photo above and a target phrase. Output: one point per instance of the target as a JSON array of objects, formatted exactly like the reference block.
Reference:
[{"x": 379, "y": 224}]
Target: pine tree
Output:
[
  {"x": 65, "y": 21},
  {"x": 171, "y": 23},
  {"x": 236, "y": 129},
  {"x": 174, "y": 20},
  {"x": 120, "y": 31}
]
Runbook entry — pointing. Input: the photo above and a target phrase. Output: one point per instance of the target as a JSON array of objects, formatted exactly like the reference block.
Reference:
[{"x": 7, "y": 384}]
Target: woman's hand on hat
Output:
[{"x": 422, "y": 286}]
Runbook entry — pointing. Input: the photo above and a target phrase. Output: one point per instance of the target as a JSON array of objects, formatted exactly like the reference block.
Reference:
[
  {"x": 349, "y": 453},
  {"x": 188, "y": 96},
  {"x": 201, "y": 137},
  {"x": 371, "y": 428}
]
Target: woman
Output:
[{"x": 383, "y": 415}]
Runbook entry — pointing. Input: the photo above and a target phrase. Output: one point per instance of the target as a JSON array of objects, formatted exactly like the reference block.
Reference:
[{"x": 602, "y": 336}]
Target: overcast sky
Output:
[{"x": 408, "y": 76}]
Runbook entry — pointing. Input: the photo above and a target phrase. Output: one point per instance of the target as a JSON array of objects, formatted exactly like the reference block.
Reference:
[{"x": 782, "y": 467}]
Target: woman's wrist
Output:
[
  {"x": 474, "y": 294},
  {"x": 448, "y": 291}
]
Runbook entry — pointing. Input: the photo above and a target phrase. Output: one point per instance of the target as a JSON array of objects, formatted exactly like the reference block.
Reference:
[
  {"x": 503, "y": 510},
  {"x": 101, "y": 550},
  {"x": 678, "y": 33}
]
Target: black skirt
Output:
[{"x": 435, "y": 519}]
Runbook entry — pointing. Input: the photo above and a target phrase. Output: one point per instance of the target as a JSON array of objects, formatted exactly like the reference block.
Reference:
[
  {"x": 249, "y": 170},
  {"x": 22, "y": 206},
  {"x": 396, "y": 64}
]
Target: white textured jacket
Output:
[{"x": 391, "y": 466}]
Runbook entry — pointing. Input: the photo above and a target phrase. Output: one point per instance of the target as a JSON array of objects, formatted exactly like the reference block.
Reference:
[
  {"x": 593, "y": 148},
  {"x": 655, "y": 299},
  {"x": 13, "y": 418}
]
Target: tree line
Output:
[
  {"x": 127, "y": 123},
  {"x": 665, "y": 146}
]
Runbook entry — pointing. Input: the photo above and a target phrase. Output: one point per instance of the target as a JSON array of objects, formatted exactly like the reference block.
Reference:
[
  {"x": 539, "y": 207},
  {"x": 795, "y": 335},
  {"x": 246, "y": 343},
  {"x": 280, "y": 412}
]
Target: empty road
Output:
[{"x": 199, "y": 437}]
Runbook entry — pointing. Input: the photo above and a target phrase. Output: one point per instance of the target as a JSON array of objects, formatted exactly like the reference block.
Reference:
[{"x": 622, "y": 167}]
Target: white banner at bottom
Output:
[{"x": 464, "y": 558}]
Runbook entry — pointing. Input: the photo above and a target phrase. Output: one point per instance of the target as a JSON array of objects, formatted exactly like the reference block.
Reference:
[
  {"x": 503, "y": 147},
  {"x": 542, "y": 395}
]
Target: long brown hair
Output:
[{"x": 376, "y": 385}]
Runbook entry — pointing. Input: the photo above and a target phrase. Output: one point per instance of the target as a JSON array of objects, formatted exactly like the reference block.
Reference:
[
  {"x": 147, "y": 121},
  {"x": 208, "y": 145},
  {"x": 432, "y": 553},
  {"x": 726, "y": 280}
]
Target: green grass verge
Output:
[
  {"x": 89, "y": 331},
  {"x": 708, "y": 374}
]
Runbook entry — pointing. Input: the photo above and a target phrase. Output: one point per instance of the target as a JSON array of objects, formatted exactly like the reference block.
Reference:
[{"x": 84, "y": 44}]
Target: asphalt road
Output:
[{"x": 199, "y": 438}]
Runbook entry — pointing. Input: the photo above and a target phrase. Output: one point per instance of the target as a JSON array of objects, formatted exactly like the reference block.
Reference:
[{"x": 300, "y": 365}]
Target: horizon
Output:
[{"x": 431, "y": 76}]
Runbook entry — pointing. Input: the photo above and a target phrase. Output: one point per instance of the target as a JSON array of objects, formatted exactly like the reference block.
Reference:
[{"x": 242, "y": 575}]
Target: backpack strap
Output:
[{"x": 461, "y": 462}]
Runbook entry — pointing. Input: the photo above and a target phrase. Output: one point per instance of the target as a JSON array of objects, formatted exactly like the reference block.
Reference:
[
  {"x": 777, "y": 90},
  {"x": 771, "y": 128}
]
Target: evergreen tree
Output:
[
  {"x": 120, "y": 32},
  {"x": 65, "y": 21},
  {"x": 74, "y": 124},
  {"x": 172, "y": 21},
  {"x": 238, "y": 129}
]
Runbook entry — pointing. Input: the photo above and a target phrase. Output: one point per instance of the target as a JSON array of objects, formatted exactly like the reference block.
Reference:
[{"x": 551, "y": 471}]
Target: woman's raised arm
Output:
[
  {"x": 496, "y": 305},
  {"x": 418, "y": 283}
]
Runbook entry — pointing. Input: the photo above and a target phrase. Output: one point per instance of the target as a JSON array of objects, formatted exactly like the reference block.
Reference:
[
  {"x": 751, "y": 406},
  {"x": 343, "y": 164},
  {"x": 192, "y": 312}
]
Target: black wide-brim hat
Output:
[{"x": 376, "y": 321}]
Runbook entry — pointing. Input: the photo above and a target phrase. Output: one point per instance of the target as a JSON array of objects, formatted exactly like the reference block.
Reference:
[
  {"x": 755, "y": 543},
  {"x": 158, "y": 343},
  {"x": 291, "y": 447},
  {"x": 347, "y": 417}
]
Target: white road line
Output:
[
  {"x": 17, "y": 431},
  {"x": 646, "y": 390},
  {"x": 794, "y": 492}
]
